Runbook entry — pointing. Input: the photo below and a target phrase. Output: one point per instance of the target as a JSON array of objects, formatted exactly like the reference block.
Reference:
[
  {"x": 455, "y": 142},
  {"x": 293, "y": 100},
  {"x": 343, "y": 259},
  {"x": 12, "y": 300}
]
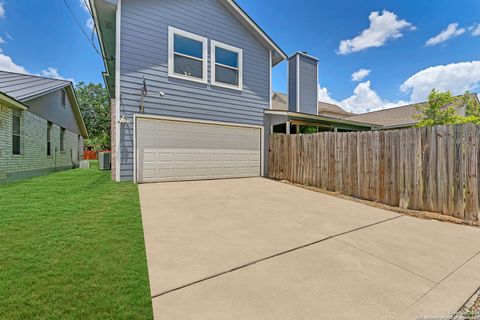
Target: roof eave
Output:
[
  {"x": 12, "y": 102},
  {"x": 101, "y": 39},
  {"x": 76, "y": 110},
  {"x": 278, "y": 55},
  {"x": 323, "y": 118}
]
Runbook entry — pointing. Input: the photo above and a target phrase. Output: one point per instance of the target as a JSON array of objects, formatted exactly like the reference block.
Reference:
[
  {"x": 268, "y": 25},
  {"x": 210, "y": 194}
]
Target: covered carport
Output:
[{"x": 280, "y": 121}]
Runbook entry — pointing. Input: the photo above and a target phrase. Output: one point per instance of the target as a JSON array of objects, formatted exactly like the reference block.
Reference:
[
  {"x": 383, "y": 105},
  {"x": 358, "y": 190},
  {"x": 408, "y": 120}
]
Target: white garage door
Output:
[{"x": 176, "y": 150}]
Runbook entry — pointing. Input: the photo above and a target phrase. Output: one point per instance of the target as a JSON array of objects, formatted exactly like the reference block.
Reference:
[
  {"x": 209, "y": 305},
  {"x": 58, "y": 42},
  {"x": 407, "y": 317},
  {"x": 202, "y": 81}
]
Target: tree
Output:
[
  {"x": 472, "y": 107},
  {"x": 438, "y": 110},
  {"x": 95, "y": 108}
]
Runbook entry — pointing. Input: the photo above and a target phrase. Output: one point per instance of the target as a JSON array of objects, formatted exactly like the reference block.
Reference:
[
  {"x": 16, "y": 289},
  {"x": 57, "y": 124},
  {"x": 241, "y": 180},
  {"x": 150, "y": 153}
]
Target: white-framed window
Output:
[
  {"x": 227, "y": 66},
  {"x": 187, "y": 55}
]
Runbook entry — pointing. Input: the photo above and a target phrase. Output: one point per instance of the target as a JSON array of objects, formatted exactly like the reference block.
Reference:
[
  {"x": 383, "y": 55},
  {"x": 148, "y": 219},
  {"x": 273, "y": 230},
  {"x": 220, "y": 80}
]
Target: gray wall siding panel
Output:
[
  {"x": 292, "y": 85},
  {"x": 308, "y": 85},
  {"x": 50, "y": 108},
  {"x": 144, "y": 53}
]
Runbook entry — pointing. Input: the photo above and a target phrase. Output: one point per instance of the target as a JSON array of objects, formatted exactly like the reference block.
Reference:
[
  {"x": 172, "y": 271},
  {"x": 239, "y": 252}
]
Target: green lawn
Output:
[{"x": 71, "y": 247}]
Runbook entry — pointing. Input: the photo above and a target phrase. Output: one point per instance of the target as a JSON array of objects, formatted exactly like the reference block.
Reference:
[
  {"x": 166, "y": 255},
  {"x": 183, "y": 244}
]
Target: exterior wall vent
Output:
[{"x": 303, "y": 83}]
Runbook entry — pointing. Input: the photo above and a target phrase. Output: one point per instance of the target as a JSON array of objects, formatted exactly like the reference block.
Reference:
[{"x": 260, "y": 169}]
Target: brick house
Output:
[{"x": 41, "y": 128}]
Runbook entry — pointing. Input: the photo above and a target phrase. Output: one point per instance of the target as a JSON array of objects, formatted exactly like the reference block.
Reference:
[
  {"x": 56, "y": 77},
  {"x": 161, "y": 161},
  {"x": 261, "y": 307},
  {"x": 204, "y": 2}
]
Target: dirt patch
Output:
[{"x": 414, "y": 213}]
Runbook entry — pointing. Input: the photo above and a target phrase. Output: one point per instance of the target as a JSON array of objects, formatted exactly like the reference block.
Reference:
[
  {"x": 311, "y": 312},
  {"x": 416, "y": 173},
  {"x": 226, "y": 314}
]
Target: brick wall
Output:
[{"x": 33, "y": 158}]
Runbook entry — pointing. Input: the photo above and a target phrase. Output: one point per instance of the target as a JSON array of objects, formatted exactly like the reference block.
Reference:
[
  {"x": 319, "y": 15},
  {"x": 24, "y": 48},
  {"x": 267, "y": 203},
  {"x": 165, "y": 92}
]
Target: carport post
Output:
[{"x": 288, "y": 127}]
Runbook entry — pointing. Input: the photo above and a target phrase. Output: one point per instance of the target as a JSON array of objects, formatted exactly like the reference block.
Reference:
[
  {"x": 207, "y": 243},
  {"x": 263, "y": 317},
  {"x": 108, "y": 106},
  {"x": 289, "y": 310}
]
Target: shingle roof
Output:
[
  {"x": 399, "y": 116},
  {"x": 330, "y": 108},
  {"x": 23, "y": 87},
  {"x": 280, "y": 102},
  {"x": 389, "y": 117}
]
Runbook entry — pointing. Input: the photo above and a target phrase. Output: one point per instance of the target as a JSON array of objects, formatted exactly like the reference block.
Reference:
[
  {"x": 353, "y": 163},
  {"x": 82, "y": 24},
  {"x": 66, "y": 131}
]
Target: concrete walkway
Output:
[{"x": 259, "y": 249}]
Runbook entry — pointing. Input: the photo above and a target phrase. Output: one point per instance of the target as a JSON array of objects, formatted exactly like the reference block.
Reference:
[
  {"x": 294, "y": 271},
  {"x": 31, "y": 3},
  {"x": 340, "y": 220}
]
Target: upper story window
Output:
[
  {"x": 187, "y": 55},
  {"x": 227, "y": 66},
  {"x": 16, "y": 132},
  {"x": 63, "y": 97}
]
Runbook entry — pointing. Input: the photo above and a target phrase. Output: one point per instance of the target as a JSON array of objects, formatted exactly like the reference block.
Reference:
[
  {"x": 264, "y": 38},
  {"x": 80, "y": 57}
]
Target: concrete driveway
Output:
[{"x": 260, "y": 249}]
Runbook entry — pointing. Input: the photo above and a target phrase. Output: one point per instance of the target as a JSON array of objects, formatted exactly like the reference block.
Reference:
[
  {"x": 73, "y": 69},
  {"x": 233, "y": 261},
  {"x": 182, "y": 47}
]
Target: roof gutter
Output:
[{"x": 100, "y": 41}]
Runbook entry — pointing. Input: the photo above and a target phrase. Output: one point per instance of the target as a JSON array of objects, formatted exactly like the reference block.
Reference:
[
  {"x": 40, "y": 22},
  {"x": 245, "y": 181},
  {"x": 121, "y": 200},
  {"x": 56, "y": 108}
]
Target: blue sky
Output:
[{"x": 405, "y": 48}]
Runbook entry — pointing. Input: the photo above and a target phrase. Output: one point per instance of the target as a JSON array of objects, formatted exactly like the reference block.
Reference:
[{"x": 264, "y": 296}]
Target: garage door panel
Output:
[{"x": 173, "y": 151}]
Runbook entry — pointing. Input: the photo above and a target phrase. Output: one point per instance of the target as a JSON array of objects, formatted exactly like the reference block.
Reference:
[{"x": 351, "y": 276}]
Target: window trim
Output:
[
  {"x": 171, "y": 53},
  {"x": 17, "y": 114},
  {"x": 216, "y": 44}
]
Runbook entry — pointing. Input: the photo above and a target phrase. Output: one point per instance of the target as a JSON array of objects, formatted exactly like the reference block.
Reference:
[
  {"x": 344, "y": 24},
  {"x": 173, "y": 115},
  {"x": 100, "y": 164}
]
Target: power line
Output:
[
  {"x": 91, "y": 17},
  {"x": 81, "y": 28}
]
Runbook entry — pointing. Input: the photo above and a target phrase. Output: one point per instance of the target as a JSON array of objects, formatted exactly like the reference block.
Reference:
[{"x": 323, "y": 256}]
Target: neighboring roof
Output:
[
  {"x": 18, "y": 88},
  {"x": 8, "y": 101},
  {"x": 324, "y": 107},
  {"x": 399, "y": 116},
  {"x": 23, "y": 87},
  {"x": 280, "y": 102}
]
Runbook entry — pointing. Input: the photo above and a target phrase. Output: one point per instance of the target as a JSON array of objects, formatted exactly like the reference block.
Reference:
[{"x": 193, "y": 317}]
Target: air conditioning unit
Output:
[{"x": 104, "y": 160}]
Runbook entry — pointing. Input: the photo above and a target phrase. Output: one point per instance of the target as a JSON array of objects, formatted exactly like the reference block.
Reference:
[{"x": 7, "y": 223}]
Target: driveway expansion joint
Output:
[
  {"x": 439, "y": 282},
  {"x": 216, "y": 275}
]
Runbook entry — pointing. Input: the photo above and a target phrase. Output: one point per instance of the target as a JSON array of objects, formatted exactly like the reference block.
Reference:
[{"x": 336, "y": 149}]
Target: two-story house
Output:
[{"x": 190, "y": 83}]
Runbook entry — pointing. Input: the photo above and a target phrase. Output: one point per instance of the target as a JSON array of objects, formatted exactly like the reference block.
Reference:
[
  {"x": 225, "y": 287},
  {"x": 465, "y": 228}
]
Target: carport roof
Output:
[{"x": 326, "y": 121}]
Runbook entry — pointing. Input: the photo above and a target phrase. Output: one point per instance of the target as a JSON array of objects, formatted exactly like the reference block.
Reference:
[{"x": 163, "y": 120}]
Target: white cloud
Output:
[
  {"x": 2, "y": 41},
  {"x": 450, "y": 32},
  {"x": 457, "y": 77},
  {"x": 53, "y": 73},
  {"x": 360, "y": 74},
  {"x": 476, "y": 30},
  {"x": 363, "y": 99},
  {"x": 324, "y": 95},
  {"x": 383, "y": 27},
  {"x": 7, "y": 64},
  {"x": 85, "y": 4},
  {"x": 8, "y": 36},
  {"x": 2, "y": 9}
]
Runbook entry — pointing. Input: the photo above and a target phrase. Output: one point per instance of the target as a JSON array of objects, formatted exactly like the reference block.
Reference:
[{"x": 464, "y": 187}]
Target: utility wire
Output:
[
  {"x": 91, "y": 17},
  {"x": 81, "y": 28}
]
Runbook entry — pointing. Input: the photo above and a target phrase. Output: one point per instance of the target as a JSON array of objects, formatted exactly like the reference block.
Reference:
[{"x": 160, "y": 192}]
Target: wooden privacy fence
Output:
[{"x": 431, "y": 169}]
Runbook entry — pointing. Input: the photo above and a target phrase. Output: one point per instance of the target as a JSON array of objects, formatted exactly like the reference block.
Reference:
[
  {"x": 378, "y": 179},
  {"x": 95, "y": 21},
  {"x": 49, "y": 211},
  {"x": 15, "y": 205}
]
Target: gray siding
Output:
[
  {"x": 308, "y": 85},
  {"x": 49, "y": 107},
  {"x": 307, "y": 80},
  {"x": 292, "y": 84},
  {"x": 144, "y": 52}
]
